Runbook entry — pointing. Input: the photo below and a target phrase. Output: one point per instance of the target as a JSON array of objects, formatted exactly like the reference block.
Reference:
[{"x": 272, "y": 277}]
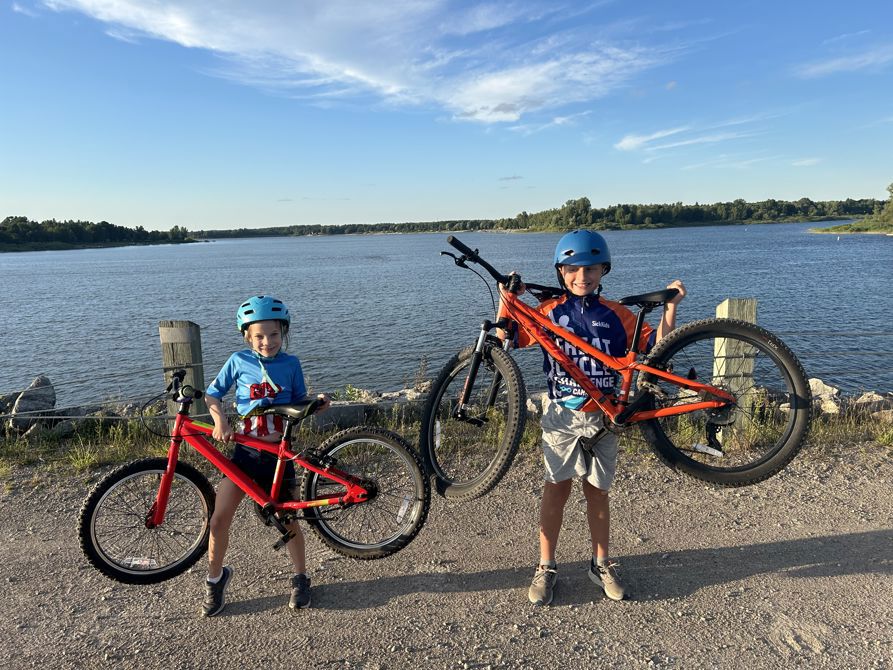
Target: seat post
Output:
[{"x": 637, "y": 331}]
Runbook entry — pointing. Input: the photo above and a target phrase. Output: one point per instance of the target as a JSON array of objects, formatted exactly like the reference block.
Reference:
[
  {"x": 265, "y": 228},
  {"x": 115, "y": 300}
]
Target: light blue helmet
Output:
[
  {"x": 261, "y": 308},
  {"x": 583, "y": 247}
]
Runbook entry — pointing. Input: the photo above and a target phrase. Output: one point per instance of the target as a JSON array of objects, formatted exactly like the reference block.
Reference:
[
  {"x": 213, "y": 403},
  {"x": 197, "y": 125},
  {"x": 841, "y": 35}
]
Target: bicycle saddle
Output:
[
  {"x": 650, "y": 300},
  {"x": 296, "y": 412}
]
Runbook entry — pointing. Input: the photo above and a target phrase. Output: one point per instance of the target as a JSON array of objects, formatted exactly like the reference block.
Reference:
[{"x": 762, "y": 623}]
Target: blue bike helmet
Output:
[
  {"x": 261, "y": 308},
  {"x": 583, "y": 247}
]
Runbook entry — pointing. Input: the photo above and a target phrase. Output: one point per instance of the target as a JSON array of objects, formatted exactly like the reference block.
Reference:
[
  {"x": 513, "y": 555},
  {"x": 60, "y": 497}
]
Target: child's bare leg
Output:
[
  {"x": 599, "y": 517},
  {"x": 228, "y": 498},
  {"x": 551, "y": 514},
  {"x": 296, "y": 548}
]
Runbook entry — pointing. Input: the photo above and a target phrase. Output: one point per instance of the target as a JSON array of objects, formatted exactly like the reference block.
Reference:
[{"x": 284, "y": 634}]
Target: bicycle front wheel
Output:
[
  {"x": 395, "y": 512},
  {"x": 112, "y": 525},
  {"x": 743, "y": 443},
  {"x": 468, "y": 455}
]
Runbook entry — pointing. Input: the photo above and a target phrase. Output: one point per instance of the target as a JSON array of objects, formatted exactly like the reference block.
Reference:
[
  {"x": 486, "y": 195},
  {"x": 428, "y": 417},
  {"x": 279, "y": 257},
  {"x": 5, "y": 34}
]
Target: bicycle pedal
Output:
[{"x": 282, "y": 541}]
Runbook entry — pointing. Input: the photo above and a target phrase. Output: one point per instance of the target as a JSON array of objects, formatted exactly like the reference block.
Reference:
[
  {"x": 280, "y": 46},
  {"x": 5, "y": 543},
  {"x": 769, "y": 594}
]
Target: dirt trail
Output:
[{"x": 795, "y": 571}]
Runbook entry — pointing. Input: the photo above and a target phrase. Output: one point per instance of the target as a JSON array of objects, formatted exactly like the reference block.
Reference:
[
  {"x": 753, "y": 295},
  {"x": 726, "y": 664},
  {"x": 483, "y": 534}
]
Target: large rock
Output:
[
  {"x": 826, "y": 398},
  {"x": 872, "y": 402},
  {"x": 37, "y": 399},
  {"x": 885, "y": 415}
]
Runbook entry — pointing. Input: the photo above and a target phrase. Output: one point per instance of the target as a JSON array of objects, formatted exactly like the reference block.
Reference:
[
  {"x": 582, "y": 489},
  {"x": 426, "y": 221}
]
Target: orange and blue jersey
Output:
[{"x": 608, "y": 326}]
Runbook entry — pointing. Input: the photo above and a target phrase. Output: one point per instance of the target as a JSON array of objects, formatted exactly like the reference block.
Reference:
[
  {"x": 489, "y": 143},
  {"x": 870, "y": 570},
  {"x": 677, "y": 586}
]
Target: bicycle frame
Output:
[
  {"x": 620, "y": 409},
  {"x": 192, "y": 432}
]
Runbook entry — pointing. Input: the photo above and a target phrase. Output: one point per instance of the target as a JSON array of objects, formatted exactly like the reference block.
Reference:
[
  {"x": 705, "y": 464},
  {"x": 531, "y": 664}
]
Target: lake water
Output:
[{"x": 368, "y": 310}]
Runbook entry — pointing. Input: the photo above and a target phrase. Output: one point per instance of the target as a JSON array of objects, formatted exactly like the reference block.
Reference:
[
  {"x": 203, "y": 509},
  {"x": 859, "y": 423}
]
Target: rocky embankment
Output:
[{"x": 32, "y": 412}]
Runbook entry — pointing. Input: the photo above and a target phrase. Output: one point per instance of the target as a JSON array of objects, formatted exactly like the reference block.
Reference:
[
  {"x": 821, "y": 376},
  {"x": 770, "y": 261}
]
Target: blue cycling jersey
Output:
[{"x": 606, "y": 325}]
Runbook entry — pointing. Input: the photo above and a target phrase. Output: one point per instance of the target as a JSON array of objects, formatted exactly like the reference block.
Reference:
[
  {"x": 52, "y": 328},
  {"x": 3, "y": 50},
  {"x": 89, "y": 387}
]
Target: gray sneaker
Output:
[
  {"x": 607, "y": 577},
  {"x": 300, "y": 592},
  {"x": 214, "y": 601},
  {"x": 543, "y": 585}
]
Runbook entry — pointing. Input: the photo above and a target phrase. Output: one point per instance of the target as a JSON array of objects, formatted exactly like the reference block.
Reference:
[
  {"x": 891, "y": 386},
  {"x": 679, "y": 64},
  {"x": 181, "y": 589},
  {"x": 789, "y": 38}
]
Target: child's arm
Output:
[
  {"x": 222, "y": 429},
  {"x": 668, "y": 321}
]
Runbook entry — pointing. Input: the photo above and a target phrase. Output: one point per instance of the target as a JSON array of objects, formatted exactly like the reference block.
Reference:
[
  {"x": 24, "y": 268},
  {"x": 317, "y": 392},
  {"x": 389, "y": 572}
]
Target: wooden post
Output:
[
  {"x": 733, "y": 360},
  {"x": 743, "y": 309},
  {"x": 181, "y": 348}
]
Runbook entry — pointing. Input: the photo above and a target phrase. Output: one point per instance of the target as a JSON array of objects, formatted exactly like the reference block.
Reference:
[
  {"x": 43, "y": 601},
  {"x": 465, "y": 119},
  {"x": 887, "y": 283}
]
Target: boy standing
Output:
[{"x": 581, "y": 259}]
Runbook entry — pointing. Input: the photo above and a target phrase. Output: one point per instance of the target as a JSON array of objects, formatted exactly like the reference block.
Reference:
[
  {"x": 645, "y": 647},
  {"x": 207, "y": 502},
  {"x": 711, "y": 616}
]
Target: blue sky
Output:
[{"x": 246, "y": 114}]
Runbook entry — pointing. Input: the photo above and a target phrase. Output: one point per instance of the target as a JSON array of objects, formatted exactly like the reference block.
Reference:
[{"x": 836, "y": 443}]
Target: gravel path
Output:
[{"x": 797, "y": 571}]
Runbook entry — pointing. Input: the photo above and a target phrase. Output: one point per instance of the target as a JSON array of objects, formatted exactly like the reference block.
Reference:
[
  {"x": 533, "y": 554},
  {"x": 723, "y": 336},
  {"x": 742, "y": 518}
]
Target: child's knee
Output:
[{"x": 594, "y": 491}]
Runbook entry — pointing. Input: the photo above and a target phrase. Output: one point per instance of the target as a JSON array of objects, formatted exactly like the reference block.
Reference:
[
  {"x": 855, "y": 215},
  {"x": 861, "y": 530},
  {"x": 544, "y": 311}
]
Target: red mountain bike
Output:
[
  {"x": 362, "y": 492},
  {"x": 719, "y": 399}
]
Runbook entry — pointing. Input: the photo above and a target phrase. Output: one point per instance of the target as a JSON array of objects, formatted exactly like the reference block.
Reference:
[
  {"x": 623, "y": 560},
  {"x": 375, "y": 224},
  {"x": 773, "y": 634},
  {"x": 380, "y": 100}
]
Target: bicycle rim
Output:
[
  {"x": 463, "y": 452},
  {"x": 133, "y": 552},
  {"x": 397, "y": 510},
  {"x": 738, "y": 444}
]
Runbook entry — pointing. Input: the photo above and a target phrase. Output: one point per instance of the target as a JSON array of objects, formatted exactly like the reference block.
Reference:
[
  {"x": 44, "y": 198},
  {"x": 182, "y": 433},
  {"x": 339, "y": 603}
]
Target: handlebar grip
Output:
[{"x": 454, "y": 242}]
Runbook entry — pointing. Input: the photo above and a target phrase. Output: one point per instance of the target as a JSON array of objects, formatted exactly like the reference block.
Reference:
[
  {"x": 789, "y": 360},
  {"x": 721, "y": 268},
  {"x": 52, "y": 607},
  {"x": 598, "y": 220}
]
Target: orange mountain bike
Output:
[{"x": 722, "y": 400}]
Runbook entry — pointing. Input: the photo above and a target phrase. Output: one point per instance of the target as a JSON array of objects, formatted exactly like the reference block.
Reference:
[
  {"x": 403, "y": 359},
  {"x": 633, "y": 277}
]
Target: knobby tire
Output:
[
  {"x": 467, "y": 459},
  {"x": 393, "y": 517},
  {"x": 761, "y": 434},
  {"x": 113, "y": 532}
]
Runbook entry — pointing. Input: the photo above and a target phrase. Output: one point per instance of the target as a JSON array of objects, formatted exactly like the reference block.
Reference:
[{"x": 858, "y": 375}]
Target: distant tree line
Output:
[
  {"x": 881, "y": 221},
  {"x": 579, "y": 213},
  {"x": 20, "y": 232}
]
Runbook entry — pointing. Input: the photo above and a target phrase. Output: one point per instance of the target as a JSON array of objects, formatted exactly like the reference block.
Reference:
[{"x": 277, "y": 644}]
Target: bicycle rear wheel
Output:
[
  {"x": 469, "y": 456},
  {"x": 112, "y": 524},
  {"x": 740, "y": 444},
  {"x": 394, "y": 514}
]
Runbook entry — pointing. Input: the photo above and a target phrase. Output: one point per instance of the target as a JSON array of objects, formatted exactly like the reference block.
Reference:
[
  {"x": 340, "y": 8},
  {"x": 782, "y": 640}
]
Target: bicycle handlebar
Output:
[
  {"x": 180, "y": 391},
  {"x": 511, "y": 282},
  {"x": 472, "y": 255}
]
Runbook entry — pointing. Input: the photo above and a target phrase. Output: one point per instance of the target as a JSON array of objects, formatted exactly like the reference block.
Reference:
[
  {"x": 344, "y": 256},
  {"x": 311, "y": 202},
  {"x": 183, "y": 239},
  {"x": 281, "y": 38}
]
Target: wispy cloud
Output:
[
  {"x": 634, "y": 142},
  {"x": 514, "y": 177},
  {"x": 702, "y": 139},
  {"x": 806, "y": 162},
  {"x": 555, "y": 122},
  {"x": 730, "y": 162},
  {"x": 716, "y": 132},
  {"x": 873, "y": 59},
  {"x": 493, "y": 62},
  {"x": 845, "y": 37},
  {"x": 22, "y": 9}
]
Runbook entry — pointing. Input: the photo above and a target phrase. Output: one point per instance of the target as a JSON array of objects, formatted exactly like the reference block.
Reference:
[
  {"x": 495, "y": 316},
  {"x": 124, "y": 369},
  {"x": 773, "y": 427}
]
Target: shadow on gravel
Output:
[
  {"x": 651, "y": 577},
  {"x": 660, "y": 576}
]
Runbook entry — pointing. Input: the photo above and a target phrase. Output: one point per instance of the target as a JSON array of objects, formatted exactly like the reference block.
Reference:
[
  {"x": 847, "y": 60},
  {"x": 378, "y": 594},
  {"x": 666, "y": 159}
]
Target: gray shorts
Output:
[{"x": 563, "y": 455}]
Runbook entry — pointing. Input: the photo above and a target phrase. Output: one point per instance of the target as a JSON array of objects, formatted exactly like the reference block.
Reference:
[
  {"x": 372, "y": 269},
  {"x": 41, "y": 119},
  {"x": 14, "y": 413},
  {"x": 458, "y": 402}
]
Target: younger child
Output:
[
  {"x": 263, "y": 375},
  {"x": 581, "y": 259}
]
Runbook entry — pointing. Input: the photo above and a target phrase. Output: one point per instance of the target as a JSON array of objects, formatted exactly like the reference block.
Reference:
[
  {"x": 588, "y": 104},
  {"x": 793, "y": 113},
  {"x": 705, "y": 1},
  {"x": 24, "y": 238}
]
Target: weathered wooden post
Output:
[
  {"x": 733, "y": 360},
  {"x": 181, "y": 348}
]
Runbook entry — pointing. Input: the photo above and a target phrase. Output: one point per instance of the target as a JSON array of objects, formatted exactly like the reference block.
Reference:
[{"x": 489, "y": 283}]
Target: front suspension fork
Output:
[{"x": 461, "y": 411}]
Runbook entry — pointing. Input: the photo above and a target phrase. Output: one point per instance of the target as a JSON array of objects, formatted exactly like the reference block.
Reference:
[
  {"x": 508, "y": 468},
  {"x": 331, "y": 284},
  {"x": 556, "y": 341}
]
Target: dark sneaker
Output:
[
  {"x": 300, "y": 592},
  {"x": 607, "y": 577},
  {"x": 214, "y": 601},
  {"x": 543, "y": 585}
]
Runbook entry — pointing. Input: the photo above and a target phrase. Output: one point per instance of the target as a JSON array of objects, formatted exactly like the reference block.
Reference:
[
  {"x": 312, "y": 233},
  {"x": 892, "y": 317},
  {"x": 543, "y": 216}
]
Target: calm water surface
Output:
[{"x": 370, "y": 310}]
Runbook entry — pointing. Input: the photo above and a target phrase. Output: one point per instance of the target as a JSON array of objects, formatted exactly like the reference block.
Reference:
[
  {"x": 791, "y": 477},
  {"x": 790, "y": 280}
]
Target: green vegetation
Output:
[
  {"x": 579, "y": 214},
  {"x": 17, "y": 233},
  {"x": 881, "y": 221},
  {"x": 97, "y": 444}
]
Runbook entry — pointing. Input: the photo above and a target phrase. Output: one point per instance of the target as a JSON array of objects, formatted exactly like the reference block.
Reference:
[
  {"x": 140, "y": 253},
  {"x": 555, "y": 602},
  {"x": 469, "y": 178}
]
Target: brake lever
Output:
[{"x": 458, "y": 260}]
